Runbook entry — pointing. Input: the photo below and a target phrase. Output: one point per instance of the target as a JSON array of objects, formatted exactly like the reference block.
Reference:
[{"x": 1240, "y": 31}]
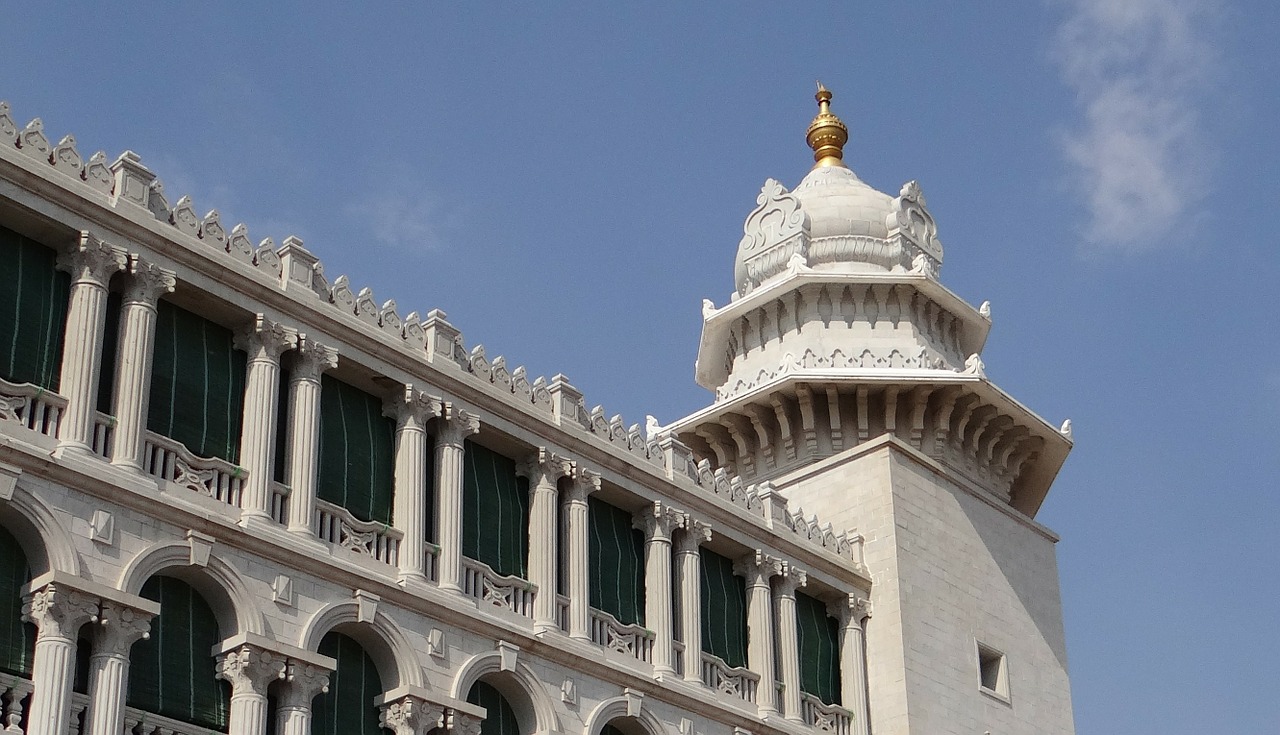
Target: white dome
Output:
[{"x": 840, "y": 204}]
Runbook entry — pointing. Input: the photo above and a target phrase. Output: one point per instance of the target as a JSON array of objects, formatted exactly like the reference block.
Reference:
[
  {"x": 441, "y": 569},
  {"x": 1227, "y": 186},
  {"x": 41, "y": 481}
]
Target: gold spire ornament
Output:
[{"x": 827, "y": 134}]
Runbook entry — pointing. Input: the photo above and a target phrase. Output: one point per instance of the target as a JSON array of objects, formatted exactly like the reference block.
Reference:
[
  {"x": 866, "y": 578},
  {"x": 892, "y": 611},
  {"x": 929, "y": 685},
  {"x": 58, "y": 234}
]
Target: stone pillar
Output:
[
  {"x": 576, "y": 534},
  {"x": 544, "y": 470},
  {"x": 250, "y": 670},
  {"x": 57, "y": 612},
  {"x": 689, "y": 571},
  {"x": 852, "y": 613},
  {"x": 408, "y": 714},
  {"x": 303, "y": 683},
  {"x": 788, "y": 639},
  {"x": 449, "y": 467},
  {"x": 658, "y": 521},
  {"x": 264, "y": 341},
  {"x": 411, "y": 410},
  {"x": 146, "y": 283},
  {"x": 758, "y": 569},
  {"x": 119, "y": 627},
  {"x": 91, "y": 264},
  {"x": 303, "y": 435}
]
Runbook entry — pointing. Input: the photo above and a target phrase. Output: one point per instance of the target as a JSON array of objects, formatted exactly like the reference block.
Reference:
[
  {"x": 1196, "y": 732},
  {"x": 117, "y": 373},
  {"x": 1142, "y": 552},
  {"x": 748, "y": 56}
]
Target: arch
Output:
[
  {"x": 628, "y": 707},
  {"x": 47, "y": 544},
  {"x": 216, "y": 581},
  {"x": 381, "y": 638},
  {"x": 516, "y": 681}
]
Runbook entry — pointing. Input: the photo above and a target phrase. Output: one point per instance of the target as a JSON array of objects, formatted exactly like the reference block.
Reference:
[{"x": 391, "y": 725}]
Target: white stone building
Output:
[{"x": 236, "y": 496}]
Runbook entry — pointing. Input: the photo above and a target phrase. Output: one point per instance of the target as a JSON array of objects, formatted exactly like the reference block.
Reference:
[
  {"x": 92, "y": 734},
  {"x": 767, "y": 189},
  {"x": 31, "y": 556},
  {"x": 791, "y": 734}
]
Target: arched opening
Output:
[
  {"x": 347, "y": 708},
  {"x": 507, "y": 710},
  {"x": 624, "y": 726},
  {"x": 17, "y": 638},
  {"x": 171, "y": 673}
]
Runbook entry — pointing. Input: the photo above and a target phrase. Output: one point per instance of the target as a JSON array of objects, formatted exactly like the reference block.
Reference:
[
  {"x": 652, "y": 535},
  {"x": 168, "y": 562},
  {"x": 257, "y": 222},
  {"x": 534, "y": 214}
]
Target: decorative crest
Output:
[{"x": 827, "y": 134}]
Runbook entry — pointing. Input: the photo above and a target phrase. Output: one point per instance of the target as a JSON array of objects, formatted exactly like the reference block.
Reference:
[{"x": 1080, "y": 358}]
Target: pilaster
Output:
[
  {"x": 788, "y": 643},
  {"x": 303, "y": 435},
  {"x": 146, "y": 283},
  {"x": 658, "y": 521},
  {"x": 577, "y": 518},
  {"x": 450, "y": 447},
  {"x": 412, "y": 409},
  {"x": 264, "y": 341},
  {"x": 689, "y": 569},
  {"x": 544, "y": 470},
  {"x": 759, "y": 568}
]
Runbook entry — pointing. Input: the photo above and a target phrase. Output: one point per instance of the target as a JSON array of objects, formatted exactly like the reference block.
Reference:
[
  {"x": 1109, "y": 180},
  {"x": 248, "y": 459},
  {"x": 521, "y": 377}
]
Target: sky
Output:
[{"x": 569, "y": 181}]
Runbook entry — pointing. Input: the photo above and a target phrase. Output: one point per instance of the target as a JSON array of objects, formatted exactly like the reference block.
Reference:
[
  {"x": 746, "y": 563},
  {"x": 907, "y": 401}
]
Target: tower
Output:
[{"x": 849, "y": 385}]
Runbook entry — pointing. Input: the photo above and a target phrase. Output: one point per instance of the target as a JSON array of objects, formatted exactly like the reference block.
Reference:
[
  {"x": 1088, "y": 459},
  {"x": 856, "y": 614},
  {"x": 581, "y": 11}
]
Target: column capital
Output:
[
  {"x": 658, "y": 520},
  {"x": 119, "y": 626},
  {"x": 791, "y": 578},
  {"x": 850, "y": 609},
  {"x": 457, "y": 426},
  {"x": 313, "y": 359},
  {"x": 461, "y": 723},
  {"x": 585, "y": 482},
  {"x": 265, "y": 339},
  {"x": 410, "y": 715},
  {"x": 305, "y": 681},
  {"x": 544, "y": 466},
  {"x": 758, "y": 567},
  {"x": 58, "y": 610},
  {"x": 91, "y": 260},
  {"x": 408, "y": 405},
  {"x": 696, "y": 533},
  {"x": 147, "y": 282},
  {"x": 251, "y": 669}
]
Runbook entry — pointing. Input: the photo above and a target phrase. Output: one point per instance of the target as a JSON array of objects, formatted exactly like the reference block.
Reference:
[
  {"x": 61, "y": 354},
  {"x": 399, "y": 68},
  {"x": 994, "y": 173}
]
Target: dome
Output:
[{"x": 839, "y": 204}]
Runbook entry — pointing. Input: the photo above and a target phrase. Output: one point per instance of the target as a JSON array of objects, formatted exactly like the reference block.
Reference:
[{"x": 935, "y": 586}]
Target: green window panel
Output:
[
  {"x": 357, "y": 452},
  {"x": 724, "y": 609},
  {"x": 33, "y": 312},
  {"x": 495, "y": 511},
  {"x": 617, "y": 562},
  {"x": 110, "y": 348},
  {"x": 197, "y": 384},
  {"x": 500, "y": 717},
  {"x": 282, "y": 427},
  {"x": 17, "y": 639},
  {"x": 172, "y": 672},
  {"x": 819, "y": 639},
  {"x": 347, "y": 708},
  {"x": 430, "y": 501}
]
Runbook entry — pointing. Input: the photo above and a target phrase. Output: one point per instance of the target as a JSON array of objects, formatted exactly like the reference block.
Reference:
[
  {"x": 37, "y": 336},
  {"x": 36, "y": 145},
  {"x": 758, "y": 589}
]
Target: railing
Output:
[
  {"x": 829, "y": 717},
  {"x": 677, "y": 656},
  {"x": 431, "y": 561},
  {"x": 488, "y": 587},
  {"x": 32, "y": 406},
  {"x": 279, "y": 503},
  {"x": 337, "y": 526},
  {"x": 137, "y": 722},
  {"x": 734, "y": 681},
  {"x": 104, "y": 430},
  {"x": 14, "y": 696},
  {"x": 632, "y": 640},
  {"x": 170, "y": 461},
  {"x": 562, "y": 612}
]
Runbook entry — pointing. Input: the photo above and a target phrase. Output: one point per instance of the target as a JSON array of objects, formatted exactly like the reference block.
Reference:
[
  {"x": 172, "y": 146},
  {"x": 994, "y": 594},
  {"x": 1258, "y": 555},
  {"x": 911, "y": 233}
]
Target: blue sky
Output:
[{"x": 568, "y": 182}]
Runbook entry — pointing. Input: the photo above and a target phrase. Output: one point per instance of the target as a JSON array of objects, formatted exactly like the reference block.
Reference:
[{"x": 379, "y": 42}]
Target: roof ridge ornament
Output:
[{"x": 827, "y": 134}]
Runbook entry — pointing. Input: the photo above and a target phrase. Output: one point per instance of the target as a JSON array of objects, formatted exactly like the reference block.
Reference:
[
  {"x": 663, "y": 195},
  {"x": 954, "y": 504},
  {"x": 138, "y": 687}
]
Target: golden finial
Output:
[{"x": 827, "y": 134}]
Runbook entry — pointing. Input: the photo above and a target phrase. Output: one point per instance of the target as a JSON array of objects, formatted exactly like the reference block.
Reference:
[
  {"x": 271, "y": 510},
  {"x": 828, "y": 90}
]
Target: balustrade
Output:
[
  {"x": 32, "y": 406},
  {"x": 488, "y": 587},
  {"x": 336, "y": 525},
  {"x": 104, "y": 429},
  {"x": 677, "y": 656},
  {"x": 632, "y": 640},
  {"x": 168, "y": 460},
  {"x": 828, "y": 717},
  {"x": 431, "y": 561},
  {"x": 562, "y": 612},
  {"x": 137, "y": 722},
  {"x": 279, "y": 503},
  {"x": 15, "y": 694},
  {"x": 734, "y": 681}
]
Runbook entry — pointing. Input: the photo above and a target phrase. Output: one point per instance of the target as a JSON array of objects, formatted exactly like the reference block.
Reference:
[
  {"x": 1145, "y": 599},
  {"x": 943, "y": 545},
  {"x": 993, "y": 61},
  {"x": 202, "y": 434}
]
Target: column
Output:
[
  {"x": 410, "y": 715},
  {"x": 264, "y": 341},
  {"x": 303, "y": 683},
  {"x": 449, "y": 467},
  {"x": 852, "y": 613},
  {"x": 146, "y": 283},
  {"x": 658, "y": 521},
  {"x": 461, "y": 723},
  {"x": 91, "y": 264},
  {"x": 303, "y": 435},
  {"x": 411, "y": 410},
  {"x": 119, "y": 627},
  {"x": 250, "y": 670},
  {"x": 788, "y": 643},
  {"x": 689, "y": 571},
  {"x": 57, "y": 612},
  {"x": 544, "y": 470},
  {"x": 758, "y": 568},
  {"x": 577, "y": 522}
]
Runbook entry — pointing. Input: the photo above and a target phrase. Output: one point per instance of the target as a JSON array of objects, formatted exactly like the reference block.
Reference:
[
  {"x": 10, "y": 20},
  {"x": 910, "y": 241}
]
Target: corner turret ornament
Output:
[{"x": 827, "y": 134}]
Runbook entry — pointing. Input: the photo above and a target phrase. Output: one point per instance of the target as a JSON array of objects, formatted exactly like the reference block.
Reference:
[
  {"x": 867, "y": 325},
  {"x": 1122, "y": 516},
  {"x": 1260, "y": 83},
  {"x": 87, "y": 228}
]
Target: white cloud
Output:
[{"x": 1141, "y": 71}]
